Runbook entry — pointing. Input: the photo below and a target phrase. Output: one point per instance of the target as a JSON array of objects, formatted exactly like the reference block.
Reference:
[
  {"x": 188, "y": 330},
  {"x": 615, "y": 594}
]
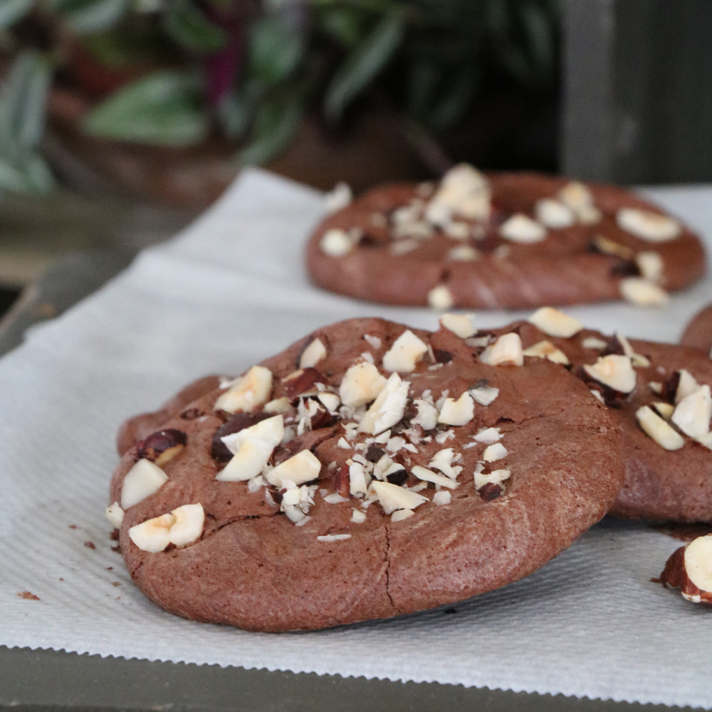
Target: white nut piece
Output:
[
  {"x": 576, "y": 196},
  {"x": 247, "y": 392},
  {"x": 484, "y": 395},
  {"x": 522, "y": 229},
  {"x": 460, "y": 324},
  {"x": 692, "y": 414},
  {"x": 312, "y": 354},
  {"x": 404, "y": 354},
  {"x": 614, "y": 371},
  {"x": 463, "y": 253},
  {"x": 594, "y": 343},
  {"x": 302, "y": 467},
  {"x": 142, "y": 480},
  {"x": 553, "y": 214},
  {"x": 457, "y": 412},
  {"x": 338, "y": 198},
  {"x": 647, "y": 225},
  {"x": 496, "y": 477},
  {"x": 427, "y": 416},
  {"x": 114, "y": 514},
  {"x": 650, "y": 265},
  {"x": 423, "y": 473},
  {"x": 361, "y": 384},
  {"x": 494, "y": 452},
  {"x": 463, "y": 191},
  {"x": 555, "y": 323},
  {"x": 336, "y": 243},
  {"x": 547, "y": 350},
  {"x": 457, "y": 230},
  {"x": 698, "y": 562},
  {"x": 607, "y": 246},
  {"x": 252, "y": 448},
  {"x": 181, "y": 527},
  {"x": 488, "y": 436},
  {"x": 188, "y": 525},
  {"x": 505, "y": 351},
  {"x": 393, "y": 497},
  {"x": 278, "y": 405},
  {"x": 686, "y": 385},
  {"x": 657, "y": 429},
  {"x": 664, "y": 409},
  {"x": 642, "y": 293},
  {"x": 442, "y": 460},
  {"x": 400, "y": 514},
  {"x": 442, "y": 498},
  {"x": 403, "y": 247},
  {"x": 388, "y": 408},
  {"x": 330, "y": 401},
  {"x": 440, "y": 297}
]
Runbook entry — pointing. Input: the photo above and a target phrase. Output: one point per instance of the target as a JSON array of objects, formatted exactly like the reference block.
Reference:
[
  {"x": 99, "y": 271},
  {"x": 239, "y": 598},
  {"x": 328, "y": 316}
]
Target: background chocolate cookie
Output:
[
  {"x": 659, "y": 395},
  {"x": 368, "y": 471},
  {"x": 502, "y": 240},
  {"x": 698, "y": 333}
]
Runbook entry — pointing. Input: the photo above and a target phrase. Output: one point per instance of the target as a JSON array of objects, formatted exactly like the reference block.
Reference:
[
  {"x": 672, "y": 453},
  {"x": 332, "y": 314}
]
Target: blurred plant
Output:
[{"x": 170, "y": 72}]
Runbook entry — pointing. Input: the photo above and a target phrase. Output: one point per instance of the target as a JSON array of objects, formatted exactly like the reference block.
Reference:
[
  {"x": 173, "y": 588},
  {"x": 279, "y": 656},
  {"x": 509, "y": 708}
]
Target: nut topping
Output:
[
  {"x": 460, "y": 324},
  {"x": 606, "y": 246},
  {"x": 650, "y": 266},
  {"x": 162, "y": 446},
  {"x": 495, "y": 477},
  {"x": 494, "y": 452},
  {"x": 302, "y": 382},
  {"x": 639, "y": 291},
  {"x": 142, "y": 480},
  {"x": 555, "y": 323},
  {"x": 388, "y": 408},
  {"x": 614, "y": 371},
  {"x": 649, "y": 226},
  {"x": 686, "y": 385},
  {"x": 338, "y": 198},
  {"x": 393, "y": 497},
  {"x": 698, "y": 562},
  {"x": 457, "y": 412},
  {"x": 302, "y": 467},
  {"x": 115, "y": 515},
  {"x": 522, "y": 229},
  {"x": 423, "y": 473},
  {"x": 361, "y": 384},
  {"x": 336, "y": 243},
  {"x": 553, "y": 214},
  {"x": 182, "y": 526},
  {"x": 463, "y": 191},
  {"x": 463, "y": 253},
  {"x": 547, "y": 350},
  {"x": 657, "y": 429},
  {"x": 579, "y": 198},
  {"x": 312, "y": 354},
  {"x": 234, "y": 424},
  {"x": 427, "y": 417},
  {"x": 252, "y": 448},
  {"x": 692, "y": 414},
  {"x": 484, "y": 395},
  {"x": 442, "y": 498},
  {"x": 247, "y": 392},
  {"x": 405, "y": 352},
  {"x": 505, "y": 351},
  {"x": 440, "y": 297}
]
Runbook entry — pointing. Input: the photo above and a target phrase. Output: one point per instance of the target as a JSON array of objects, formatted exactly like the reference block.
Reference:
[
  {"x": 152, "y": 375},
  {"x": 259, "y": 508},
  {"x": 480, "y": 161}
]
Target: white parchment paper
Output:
[{"x": 226, "y": 293}]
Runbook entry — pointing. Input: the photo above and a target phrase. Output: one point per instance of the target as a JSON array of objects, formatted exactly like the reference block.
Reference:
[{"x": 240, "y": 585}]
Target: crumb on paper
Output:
[{"x": 28, "y": 596}]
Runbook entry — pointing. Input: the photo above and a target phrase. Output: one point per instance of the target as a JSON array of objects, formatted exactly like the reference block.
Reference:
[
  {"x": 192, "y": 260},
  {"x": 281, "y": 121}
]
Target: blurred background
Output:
[{"x": 120, "y": 120}]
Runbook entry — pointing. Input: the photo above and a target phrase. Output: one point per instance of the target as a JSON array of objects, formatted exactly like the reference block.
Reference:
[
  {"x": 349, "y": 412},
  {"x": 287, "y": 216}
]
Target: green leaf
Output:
[
  {"x": 237, "y": 109},
  {"x": 344, "y": 24},
  {"x": 453, "y": 100},
  {"x": 23, "y": 100},
  {"x": 33, "y": 176},
  {"x": 164, "y": 108},
  {"x": 363, "y": 64},
  {"x": 85, "y": 16},
  {"x": 275, "y": 50},
  {"x": 13, "y": 10},
  {"x": 275, "y": 125},
  {"x": 539, "y": 36},
  {"x": 190, "y": 28}
]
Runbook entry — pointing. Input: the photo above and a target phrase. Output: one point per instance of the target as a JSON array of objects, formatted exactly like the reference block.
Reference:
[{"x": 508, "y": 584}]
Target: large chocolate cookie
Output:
[
  {"x": 659, "y": 395},
  {"x": 502, "y": 240},
  {"x": 365, "y": 472},
  {"x": 698, "y": 333}
]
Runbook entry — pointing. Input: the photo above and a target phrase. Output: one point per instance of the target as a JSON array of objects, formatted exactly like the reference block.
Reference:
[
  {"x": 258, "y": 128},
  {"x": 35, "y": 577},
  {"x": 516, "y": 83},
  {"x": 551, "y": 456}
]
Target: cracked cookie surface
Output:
[
  {"x": 441, "y": 480},
  {"x": 502, "y": 241}
]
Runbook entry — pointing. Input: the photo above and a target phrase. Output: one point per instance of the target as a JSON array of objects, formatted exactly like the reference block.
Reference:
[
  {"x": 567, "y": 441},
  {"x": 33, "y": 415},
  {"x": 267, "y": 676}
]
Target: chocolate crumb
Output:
[
  {"x": 28, "y": 596},
  {"x": 89, "y": 545}
]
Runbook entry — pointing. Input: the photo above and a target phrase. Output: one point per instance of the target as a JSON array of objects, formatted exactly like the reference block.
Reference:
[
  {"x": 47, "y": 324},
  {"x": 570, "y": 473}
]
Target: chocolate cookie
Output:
[
  {"x": 659, "y": 395},
  {"x": 367, "y": 471},
  {"x": 503, "y": 240},
  {"x": 698, "y": 333}
]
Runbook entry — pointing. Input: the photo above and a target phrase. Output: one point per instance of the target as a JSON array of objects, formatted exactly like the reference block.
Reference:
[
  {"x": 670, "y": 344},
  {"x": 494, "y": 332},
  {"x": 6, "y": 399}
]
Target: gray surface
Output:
[
  {"x": 53, "y": 680},
  {"x": 637, "y": 91}
]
